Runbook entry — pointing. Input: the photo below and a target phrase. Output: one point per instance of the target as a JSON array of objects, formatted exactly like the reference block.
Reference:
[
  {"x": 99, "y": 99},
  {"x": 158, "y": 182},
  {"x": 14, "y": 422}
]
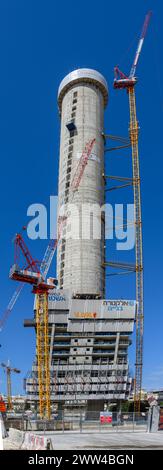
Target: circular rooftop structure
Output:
[{"x": 79, "y": 76}]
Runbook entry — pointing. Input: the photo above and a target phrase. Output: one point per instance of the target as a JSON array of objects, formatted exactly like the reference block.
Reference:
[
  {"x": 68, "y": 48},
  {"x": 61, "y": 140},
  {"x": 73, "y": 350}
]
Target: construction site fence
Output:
[{"x": 82, "y": 422}]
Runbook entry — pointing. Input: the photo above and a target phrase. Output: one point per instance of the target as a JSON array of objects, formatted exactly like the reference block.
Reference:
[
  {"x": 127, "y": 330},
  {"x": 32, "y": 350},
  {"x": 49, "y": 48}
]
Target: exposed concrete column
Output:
[
  {"x": 51, "y": 343},
  {"x": 153, "y": 418},
  {"x": 116, "y": 348},
  {"x": 60, "y": 409},
  {"x": 94, "y": 407}
]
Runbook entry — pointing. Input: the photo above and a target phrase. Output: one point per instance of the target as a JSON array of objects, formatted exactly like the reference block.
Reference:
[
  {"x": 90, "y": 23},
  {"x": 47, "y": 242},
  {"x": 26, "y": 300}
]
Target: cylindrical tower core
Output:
[{"x": 82, "y": 97}]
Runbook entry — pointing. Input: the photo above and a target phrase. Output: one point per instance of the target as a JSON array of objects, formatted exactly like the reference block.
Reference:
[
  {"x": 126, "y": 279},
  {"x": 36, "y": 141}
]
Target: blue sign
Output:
[{"x": 56, "y": 298}]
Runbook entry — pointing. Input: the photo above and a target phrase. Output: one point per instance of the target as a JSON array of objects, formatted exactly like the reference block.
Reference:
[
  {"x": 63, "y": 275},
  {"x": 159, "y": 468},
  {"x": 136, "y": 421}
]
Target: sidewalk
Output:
[{"x": 106, "y": 441}]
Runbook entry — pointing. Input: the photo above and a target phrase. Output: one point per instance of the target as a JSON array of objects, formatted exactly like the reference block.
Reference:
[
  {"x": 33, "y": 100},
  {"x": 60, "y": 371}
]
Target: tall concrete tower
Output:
[
  {"x": 82, "y": 97},
  {"x": 88, "y": 337}
]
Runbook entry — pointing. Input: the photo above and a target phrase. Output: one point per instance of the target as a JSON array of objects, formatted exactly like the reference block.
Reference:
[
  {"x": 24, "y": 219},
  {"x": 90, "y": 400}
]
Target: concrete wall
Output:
[{"x": 79, "y": 261}]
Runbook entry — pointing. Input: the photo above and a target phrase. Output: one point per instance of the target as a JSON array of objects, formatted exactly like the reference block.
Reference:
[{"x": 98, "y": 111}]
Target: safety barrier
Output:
[
  {"x": 84, "y": 421},
  {"x": 1, "y": 436},
  {"x": 26, "y": 441},
  {"x": 14, "y": 439},
  {"x": 35, "y": 442}
]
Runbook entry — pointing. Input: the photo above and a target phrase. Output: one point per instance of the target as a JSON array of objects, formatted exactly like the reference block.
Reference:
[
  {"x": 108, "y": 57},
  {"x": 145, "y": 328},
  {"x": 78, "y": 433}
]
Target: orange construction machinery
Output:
[{"x": 2, "y": 405}]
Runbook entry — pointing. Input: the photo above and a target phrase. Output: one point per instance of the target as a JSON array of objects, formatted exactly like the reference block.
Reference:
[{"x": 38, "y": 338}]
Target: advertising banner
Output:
[{"x": 101, "y": 309}]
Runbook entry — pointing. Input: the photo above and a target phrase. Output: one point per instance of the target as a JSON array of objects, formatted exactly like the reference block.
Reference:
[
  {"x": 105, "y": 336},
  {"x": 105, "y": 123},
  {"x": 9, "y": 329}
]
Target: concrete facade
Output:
[
  {"x": 82, "y": 97},
  {"x": 88, "y": 350}
]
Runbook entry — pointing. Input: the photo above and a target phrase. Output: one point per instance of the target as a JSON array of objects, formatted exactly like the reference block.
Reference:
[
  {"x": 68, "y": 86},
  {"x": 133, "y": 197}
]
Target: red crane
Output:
[
  {"x": 121, "y": 80},
  {"x": 81, "y": 165},
  {"x": 52, "y": 246},
  {"x": 34, "y": 275},
  {"x": 31, "y": 274}
]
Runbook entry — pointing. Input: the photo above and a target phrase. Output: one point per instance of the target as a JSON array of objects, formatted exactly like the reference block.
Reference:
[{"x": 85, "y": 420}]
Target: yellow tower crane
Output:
[
  {"x": 32, "y": 275},
  {"x": 122, "y": 81},
  {"x": 8, "y": 370},
  {"x": 35, "y": 275}
]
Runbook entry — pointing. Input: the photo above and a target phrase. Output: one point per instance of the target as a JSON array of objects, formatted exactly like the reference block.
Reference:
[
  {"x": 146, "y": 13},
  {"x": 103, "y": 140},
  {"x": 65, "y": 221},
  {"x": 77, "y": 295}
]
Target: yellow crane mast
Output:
[
  {"x": 134, "y": 129},
  {"x": 42, "y": 351}
]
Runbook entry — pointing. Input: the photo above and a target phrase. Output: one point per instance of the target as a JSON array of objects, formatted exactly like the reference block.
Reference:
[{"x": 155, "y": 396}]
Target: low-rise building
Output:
[{"x": 88, "y": 343}]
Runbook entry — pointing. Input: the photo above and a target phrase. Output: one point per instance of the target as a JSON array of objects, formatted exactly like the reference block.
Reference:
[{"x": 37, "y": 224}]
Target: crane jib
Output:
[{"x": 140, "y": 44}]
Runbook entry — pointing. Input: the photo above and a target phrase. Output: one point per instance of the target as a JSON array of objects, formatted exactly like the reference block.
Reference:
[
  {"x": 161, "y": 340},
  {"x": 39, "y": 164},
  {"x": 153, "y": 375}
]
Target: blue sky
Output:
[{"x": 41, "y": 41}]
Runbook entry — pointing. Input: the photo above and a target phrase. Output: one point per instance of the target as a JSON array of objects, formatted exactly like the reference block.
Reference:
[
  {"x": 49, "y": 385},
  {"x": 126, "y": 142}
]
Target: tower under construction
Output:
[
  {"x": 88, "y": 335},
  {"x": 82, "y": 97}
]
